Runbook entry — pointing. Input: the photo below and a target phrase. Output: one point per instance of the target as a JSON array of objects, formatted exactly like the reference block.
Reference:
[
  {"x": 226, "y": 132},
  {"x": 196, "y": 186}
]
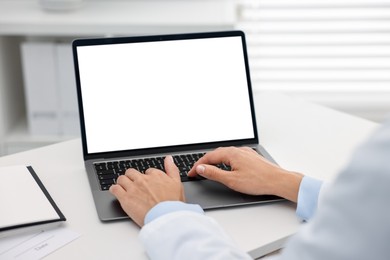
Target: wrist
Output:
[{"x": 287, "y": 185}]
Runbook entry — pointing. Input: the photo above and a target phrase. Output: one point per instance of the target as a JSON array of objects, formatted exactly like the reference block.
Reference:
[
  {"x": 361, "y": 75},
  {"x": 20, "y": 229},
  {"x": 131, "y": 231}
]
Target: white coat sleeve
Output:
[{"x": 188, "y": 235}]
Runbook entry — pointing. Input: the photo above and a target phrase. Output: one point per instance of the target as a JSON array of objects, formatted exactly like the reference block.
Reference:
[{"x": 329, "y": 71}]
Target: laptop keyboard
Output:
[{"x": 108, "y": 172}]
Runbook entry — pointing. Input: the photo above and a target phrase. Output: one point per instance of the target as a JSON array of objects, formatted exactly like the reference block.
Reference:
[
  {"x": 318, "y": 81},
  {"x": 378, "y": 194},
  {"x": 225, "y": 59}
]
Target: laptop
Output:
[{"x": 144, "y": 97}]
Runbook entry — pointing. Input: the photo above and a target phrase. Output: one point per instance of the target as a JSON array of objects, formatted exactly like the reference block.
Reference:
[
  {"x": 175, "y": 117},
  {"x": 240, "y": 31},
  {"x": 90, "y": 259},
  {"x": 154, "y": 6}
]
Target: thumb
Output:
[{"x": 211, "y": 172}]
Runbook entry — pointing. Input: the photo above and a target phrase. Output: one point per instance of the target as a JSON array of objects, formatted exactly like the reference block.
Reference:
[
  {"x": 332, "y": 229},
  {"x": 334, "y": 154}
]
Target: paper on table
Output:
[
  {"x": 21, "y": 199},
  {"x": 35, "y": 245}
]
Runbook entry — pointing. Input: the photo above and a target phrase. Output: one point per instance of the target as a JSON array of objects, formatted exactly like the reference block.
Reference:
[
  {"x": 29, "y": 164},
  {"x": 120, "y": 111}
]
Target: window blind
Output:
[{"x": 318, "y": 45}]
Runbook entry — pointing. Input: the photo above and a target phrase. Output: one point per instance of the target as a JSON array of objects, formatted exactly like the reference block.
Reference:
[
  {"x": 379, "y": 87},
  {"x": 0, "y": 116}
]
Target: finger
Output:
[
  {"x": 170, "y": 168},
  {"x": 220, "y": 155},
  {"x": 150, "y": 171},
  {"x": 212, "y": 173},
  {"x": 118, "y": 191},
  {"x": 124, "y": 182},
  {"x": 133, "y": 174}
]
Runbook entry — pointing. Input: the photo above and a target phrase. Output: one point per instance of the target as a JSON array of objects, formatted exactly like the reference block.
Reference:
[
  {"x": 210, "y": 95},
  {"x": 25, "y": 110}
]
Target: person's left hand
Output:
[{"x": 138, "y": 193}]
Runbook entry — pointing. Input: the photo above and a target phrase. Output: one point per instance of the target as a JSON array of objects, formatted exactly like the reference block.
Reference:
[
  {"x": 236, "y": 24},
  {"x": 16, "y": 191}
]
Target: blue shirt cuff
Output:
[
  {"x": 309, "y": 191},
  {"x": 166, "y": 207}
]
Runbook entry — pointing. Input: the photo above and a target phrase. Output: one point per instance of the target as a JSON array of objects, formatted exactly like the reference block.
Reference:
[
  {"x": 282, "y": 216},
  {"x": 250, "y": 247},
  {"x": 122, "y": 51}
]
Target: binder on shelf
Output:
[
  {"x": 25, "y": 203},
  {"x": 40, "y": 82},
  {"x": 69, "y": 114},
  {"x": 50, "y": 89}
]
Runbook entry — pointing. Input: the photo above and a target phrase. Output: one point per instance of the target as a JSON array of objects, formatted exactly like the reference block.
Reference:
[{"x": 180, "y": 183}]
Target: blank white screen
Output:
[{"x": 156, "y": 94}]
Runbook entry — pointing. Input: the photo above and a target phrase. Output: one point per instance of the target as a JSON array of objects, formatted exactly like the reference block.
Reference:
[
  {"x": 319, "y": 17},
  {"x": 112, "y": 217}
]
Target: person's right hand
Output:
[{"x": 250, "y": 173}]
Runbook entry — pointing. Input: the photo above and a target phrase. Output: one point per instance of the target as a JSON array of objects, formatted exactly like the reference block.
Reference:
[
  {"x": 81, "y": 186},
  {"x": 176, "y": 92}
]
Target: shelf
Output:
[
  {"x": 25, "y": 19},
  {"x": 117, "y": 17},
  {"x": 19, "y": 139}
]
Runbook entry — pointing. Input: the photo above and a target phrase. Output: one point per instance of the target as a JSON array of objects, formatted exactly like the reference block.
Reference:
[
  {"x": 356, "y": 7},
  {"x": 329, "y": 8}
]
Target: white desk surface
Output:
[{"x": 300, "y": 136}]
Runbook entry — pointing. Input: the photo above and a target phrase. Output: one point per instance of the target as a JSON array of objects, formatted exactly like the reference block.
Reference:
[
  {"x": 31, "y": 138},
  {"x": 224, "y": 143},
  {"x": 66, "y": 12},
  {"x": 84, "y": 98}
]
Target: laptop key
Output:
[
  {"x": 109, "y": 176},
  {"x": 107, "y": 182},
  {"x": 105, "y": 187},
  {"x": 105, "y": 172},
  {"x": 120, "y": 171}
]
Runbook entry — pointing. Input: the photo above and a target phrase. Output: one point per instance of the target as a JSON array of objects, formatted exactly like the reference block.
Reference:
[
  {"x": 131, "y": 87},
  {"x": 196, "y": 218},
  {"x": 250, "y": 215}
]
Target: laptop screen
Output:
[{"x": 163, "y": 92}]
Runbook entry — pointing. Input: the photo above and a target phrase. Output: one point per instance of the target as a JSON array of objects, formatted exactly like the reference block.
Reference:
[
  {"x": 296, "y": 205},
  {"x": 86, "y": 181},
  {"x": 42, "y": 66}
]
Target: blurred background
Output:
[{"x": 332, "y": 52}]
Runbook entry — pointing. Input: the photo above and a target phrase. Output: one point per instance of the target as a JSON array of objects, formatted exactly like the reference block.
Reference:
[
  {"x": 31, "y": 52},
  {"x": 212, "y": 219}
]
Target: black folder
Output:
[{"x": 25, "y": 203}]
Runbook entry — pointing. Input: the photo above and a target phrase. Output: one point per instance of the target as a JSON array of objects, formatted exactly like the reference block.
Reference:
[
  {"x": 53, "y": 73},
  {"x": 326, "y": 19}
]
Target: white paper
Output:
[
  {"x": 21, "y": 199},
  {"x": 35, "y": 245}
]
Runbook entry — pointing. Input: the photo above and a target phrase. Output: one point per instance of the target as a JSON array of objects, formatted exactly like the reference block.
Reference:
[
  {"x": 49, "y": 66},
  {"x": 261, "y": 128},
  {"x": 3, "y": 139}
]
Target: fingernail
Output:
[
  {"x": 170, "y": 158},
  {"x": 200, "y": 169}
]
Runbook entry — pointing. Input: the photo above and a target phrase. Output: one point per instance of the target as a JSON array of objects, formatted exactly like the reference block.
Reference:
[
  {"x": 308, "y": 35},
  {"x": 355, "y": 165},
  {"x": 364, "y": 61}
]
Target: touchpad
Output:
[{"x": 210, "y": 194}]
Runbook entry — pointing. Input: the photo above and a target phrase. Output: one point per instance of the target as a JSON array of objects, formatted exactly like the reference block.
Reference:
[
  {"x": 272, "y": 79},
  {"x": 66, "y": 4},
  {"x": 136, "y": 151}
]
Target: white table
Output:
[{"x": 300, "y": 136}]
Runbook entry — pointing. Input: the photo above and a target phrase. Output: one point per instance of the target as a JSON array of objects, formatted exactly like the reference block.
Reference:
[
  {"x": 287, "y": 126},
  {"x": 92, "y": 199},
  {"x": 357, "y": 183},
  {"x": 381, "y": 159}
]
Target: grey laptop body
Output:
[{"x": 144, "y": 97}]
